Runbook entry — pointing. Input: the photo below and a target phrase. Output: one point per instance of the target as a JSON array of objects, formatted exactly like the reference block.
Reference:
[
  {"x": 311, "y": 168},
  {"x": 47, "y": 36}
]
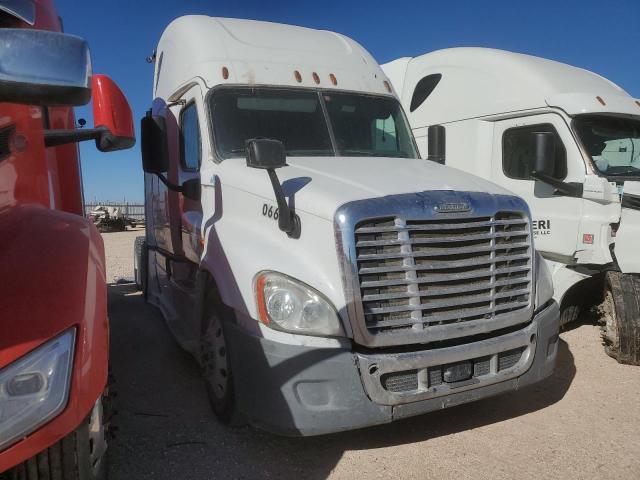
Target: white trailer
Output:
[
  {"x": 326, "y": 277},
  {"x": 566, "y": 140}
]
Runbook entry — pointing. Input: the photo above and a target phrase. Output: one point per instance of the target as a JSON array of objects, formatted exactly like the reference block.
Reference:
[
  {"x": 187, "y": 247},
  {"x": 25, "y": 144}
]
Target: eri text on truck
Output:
[
  {"x": 567, "y": 141},
  {"x": 54, "y": 403},
  {"x": 324, "y": 275}
]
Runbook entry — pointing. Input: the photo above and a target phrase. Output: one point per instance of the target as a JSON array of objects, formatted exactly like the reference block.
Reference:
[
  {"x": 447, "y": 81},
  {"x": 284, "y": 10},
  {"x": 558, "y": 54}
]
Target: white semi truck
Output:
[
  {"x": 325, "y": 276},
  {"x": 567, "y": 141}
]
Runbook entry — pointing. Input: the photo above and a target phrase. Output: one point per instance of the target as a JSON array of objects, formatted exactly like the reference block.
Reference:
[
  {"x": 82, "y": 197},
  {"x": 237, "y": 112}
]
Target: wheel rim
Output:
[
  {"x": 214, "y": 358},
  {"x": 97, "y": 437},
  {"x": 610, "y": 333}
]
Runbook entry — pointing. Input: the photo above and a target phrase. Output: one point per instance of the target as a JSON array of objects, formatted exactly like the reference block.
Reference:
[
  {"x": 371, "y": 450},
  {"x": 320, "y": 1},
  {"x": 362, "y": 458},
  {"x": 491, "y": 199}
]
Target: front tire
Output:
[
  {"x": 216, "y": 364},
  {"x": 81, "y": 455},
  {"x": 621, "y": 317}
]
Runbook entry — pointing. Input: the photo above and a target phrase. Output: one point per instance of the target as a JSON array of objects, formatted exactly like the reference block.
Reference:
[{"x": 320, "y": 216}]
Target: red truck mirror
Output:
[
  {"x": 111, "y": 115},
  {"x": 112, "y": 119},
  {"x": 38, "y": 67}
]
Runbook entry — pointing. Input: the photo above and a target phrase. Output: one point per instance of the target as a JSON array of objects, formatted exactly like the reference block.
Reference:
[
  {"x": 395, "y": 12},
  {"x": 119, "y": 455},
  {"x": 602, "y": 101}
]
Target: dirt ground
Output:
[{"x": 582, "y": 423}]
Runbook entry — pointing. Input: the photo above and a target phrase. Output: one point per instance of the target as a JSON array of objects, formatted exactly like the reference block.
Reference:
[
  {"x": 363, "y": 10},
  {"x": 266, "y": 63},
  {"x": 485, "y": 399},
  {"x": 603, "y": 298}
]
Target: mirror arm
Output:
[
  {"x": 168, "y": 184},
  {"x": 53, "y": 138},
  {"x": 572, "y": 189},
  {"x": 288, "y": 221},
  {"x": 191, "y": 189}
]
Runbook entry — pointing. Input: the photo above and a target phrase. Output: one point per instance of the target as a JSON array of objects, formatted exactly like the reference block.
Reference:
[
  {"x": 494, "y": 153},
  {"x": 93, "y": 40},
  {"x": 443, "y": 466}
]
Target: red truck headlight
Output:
[{"x": 35, "y": 388}]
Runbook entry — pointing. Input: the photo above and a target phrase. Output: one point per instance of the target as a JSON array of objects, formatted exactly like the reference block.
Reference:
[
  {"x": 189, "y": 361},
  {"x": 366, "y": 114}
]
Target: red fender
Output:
[{"x": 53, "y": 278}]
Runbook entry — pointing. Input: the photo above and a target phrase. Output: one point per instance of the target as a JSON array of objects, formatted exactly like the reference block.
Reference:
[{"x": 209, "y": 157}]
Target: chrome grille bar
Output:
[{"x": 413, "y": 275}]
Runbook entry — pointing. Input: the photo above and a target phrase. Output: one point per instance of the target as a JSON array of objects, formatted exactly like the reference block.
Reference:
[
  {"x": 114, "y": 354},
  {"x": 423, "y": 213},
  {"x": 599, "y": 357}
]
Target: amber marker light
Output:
[
  {"x": 599, "y": 98},
  {"x": 225, "y": 73},
  {"x": 333, "y": 79},
  {"x": 262, "y": 305},
  {"x": 316, "y": 78},
  {"x": 387, "y": 86},
  {"x": 297, "y": 75}
]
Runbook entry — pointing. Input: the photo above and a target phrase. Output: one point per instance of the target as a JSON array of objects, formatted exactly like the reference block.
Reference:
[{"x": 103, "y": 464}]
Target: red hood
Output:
[{"x": 51, "y": 262}]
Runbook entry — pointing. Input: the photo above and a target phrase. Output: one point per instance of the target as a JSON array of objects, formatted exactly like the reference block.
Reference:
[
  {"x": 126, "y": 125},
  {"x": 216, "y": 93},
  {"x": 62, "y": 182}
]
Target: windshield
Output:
[
  {"x": 612, "y": 142},
  {"x": 309, "y": 122}
]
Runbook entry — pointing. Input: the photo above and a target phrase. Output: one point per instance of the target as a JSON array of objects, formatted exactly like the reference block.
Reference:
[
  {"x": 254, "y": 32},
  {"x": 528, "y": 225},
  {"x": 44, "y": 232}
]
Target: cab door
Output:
[
  {"x": 185, "y": 158},
  {"x": 189, "y": 162},
  {"x": 556, "y": 218}
]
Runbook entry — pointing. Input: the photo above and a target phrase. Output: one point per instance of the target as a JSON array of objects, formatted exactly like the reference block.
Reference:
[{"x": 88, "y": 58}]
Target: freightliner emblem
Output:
[{"x": 453, "y": 207}]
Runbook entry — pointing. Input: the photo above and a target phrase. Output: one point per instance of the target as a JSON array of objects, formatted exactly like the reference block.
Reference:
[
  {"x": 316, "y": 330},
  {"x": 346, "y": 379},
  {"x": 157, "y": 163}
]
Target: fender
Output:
[{"x": 53, "y": 279}]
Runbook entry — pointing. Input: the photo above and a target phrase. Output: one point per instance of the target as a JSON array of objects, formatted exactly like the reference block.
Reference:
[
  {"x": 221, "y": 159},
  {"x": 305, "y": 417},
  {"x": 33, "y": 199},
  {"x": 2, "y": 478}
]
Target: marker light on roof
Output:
[
  {"x": 298, "y": 76},
  {"x": 599, "y": 98},
  {"x": 333, "y": 79},
  {"x": 387, "y": 86},
  {"x": 638, "y": 102},
  {"x": 225, "y": 72},
  {"x": 316, "y": 78}
]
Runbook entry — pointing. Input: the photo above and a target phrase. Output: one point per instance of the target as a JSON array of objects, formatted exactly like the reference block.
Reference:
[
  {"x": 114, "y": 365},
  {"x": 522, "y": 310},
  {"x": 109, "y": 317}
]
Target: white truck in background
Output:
[
  {"x": 567, "y": 141},
  {"x": 325, "y": 276}
]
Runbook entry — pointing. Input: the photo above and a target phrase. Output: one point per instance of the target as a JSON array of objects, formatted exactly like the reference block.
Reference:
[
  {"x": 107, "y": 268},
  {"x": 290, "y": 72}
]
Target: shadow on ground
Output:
[{"x": 167, "y": 431}]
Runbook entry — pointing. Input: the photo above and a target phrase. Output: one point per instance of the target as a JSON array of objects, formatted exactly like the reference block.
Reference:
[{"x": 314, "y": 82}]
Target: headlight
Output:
[
  {"x": 544, "y": 282},
  {"x": 35, "y": 388},
  {"x": 287, "y": 304}
]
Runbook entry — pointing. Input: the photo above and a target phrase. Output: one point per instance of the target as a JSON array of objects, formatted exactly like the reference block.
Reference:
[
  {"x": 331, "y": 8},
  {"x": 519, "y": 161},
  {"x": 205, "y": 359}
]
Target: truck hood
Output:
[{"x": 319, "y": 185}]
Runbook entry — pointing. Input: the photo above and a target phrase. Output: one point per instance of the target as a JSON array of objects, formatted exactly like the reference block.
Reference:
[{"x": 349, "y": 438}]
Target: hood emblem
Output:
[{"x": 452, "y": 207}]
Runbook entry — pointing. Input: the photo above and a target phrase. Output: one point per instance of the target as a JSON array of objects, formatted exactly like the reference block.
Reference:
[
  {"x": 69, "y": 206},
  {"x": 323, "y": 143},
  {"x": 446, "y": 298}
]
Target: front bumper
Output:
[{"x": 299, "y": 390}]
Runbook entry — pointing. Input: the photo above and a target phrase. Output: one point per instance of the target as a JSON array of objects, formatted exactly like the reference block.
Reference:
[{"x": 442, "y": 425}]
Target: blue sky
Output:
[{"x": 602, "y": 36}]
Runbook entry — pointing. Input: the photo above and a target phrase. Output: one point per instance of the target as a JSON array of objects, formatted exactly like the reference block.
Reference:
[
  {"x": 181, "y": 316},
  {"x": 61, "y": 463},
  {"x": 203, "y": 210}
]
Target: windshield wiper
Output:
[
  {"x": 630, "y": 171},
  {"x": 371, "y": 153}
]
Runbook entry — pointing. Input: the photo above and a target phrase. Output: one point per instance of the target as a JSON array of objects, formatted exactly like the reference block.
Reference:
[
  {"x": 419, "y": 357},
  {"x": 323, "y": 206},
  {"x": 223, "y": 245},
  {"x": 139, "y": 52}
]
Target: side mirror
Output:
[
  {"x": 266, "y": 153},
  {"x": 436, "y": 143},
  {"x": 154, "y": 146},
  {"x": 544, "y": 153},
  {"x": 112, "y": 115},
  {"x": 45, "y": 68},
  {"x": 544, "y": 165},
  {"x": 269, "y": 154}
]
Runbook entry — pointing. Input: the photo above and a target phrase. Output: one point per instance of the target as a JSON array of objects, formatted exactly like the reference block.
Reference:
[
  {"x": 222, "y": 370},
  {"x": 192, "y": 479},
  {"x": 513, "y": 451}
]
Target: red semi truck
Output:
[{"x": 54, "y": 333}]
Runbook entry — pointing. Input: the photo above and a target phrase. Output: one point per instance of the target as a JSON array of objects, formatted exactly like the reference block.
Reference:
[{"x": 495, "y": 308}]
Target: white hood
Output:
[{"x": 320, "y": 185}]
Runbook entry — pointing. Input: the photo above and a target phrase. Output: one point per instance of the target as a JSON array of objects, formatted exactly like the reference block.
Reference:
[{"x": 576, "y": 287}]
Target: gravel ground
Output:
[{"x": 583, "y": 422}]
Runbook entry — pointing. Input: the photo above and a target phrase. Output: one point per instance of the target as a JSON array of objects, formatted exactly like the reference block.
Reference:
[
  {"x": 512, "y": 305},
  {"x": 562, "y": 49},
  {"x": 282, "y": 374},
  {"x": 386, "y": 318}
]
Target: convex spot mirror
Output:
[
  {"x": 269, "y": 154},
  {"x": 266, "y": 153},
  {"x": 45, "y": 68}
]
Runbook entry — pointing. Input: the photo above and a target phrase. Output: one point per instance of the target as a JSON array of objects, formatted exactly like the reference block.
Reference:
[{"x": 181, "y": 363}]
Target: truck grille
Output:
[{"x": 415, "y": 274}]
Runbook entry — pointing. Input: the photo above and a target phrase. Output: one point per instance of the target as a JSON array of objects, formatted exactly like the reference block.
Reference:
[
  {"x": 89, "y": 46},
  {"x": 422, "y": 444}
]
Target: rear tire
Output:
[
  {"x": 620, "y": 322},
  {"x": 216, "y": 364},
  {"x": 81, "y": 455},
  {"x": 140, "y": 264}
]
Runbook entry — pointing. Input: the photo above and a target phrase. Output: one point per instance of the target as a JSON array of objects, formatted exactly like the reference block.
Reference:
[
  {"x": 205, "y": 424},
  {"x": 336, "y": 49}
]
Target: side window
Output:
[
  {"x": 518, "y": 152},
  {"x": 190, "y": 138},
  {"x": 423, "y": 89}
]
